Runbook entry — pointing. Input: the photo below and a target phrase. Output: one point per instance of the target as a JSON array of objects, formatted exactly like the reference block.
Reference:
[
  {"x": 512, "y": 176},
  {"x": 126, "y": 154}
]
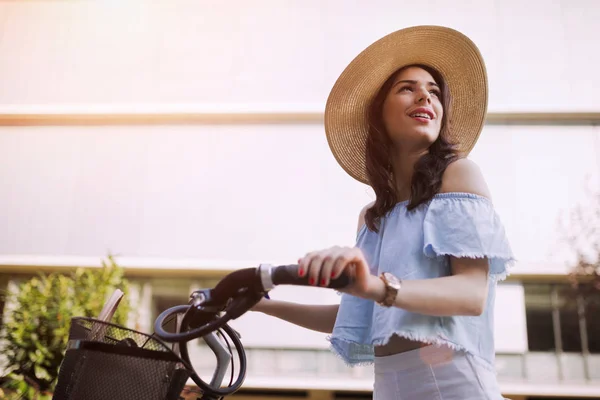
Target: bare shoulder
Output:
[
  {"x": 361, "y": 216},
  {"x": 464, "y": 176}
]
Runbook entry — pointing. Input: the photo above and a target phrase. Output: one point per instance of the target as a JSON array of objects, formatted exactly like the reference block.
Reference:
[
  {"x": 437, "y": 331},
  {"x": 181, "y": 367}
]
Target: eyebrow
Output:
[{"x": 414, "y": 83}]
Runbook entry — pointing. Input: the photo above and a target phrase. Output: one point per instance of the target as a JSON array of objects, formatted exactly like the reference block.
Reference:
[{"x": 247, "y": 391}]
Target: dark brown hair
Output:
[{"x": 428, "y": 170}]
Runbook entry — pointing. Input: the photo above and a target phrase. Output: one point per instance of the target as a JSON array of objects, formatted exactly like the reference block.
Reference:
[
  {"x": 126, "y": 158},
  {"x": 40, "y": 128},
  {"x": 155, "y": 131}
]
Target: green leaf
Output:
[{"x": 35, "y": 336}]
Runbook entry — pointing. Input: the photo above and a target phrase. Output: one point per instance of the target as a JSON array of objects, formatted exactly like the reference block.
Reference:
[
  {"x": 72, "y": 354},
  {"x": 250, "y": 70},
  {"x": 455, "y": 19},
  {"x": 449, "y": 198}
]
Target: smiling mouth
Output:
[{"x": 421, "y": 115}]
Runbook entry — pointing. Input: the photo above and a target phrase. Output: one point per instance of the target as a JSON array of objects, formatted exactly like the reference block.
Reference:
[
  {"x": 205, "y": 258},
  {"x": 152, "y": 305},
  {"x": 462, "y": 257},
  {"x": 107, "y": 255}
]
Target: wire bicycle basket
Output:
[{"x": 107, "y": 361}]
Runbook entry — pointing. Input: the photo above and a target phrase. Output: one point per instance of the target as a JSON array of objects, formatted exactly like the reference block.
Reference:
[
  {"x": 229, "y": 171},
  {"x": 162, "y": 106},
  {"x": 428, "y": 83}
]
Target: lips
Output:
[{"x": 422, "y": 113}]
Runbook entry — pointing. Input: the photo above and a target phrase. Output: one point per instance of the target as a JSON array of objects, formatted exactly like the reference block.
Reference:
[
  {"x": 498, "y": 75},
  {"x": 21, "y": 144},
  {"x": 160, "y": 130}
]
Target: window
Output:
[
  {"x": 563, "y": 332},
  {"x": 592, "y": 322},
  {"x": 538, "y": 314},
  {"x": 570, "y": 332},
  {"x": 560, "y": 320}
]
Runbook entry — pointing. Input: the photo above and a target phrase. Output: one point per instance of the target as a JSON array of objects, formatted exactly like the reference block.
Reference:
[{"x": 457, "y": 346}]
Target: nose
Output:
[{"x": 423, "y": 95}]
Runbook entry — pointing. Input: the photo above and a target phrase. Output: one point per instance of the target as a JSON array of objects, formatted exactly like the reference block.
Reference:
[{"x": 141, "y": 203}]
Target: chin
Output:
[
  {"x": 427, "y": 136},
  {"x": 414, "y": 136},
  {"x": 417, "y": 140}
]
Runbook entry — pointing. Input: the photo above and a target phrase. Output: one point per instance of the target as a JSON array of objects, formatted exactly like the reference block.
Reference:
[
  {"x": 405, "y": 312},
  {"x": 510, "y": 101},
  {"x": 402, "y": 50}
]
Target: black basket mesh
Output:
[{"x": 109, "y": 362}]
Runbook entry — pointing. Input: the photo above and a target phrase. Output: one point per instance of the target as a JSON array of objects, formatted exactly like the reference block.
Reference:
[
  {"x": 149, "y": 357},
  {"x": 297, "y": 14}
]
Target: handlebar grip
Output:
[{"x": 288, "y": 275}]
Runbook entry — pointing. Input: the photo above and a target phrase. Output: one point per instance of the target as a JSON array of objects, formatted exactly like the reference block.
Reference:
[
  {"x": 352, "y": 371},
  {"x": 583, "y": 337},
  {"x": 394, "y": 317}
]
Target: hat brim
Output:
[{"x": 448, "y": 51}]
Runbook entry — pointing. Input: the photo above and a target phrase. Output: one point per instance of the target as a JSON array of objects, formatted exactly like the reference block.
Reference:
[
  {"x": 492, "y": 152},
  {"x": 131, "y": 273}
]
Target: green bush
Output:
[{"x": 35, "y": 332}]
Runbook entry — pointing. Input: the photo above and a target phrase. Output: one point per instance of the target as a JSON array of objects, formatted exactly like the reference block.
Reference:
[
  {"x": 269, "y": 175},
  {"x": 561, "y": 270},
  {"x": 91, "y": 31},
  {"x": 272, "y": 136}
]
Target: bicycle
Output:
[{"x": 108, "y": 361}]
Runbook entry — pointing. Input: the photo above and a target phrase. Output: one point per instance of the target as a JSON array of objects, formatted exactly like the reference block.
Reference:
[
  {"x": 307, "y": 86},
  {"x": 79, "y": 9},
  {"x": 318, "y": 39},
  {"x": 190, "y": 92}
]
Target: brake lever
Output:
[
  {"x": 240, "y": 304},
  {"x": 201, "y": 310},
  {"x": 200, "y": 297}
]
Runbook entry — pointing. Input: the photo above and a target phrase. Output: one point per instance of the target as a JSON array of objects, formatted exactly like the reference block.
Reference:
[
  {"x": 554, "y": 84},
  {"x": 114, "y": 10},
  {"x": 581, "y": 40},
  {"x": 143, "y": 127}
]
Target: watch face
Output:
[{"x": 393, "y": 281}]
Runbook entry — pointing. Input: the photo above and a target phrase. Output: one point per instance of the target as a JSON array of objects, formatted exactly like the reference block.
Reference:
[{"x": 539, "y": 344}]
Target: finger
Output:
[
  {"x": 301, "y": 267},
  {"x": 303, "y": 264},
  {"x": 342, "y": 262},
  {"x": 329, "y": 261},
  {"x": 314, "y": 268}
]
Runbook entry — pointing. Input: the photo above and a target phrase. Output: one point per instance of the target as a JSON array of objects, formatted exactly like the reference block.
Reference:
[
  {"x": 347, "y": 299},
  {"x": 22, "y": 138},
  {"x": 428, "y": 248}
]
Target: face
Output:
[{"x": 412, "y": 110}]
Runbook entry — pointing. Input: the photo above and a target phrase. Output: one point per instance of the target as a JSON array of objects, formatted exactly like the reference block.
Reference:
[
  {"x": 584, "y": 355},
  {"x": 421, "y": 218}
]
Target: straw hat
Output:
[{"x": 449, "y": 52}]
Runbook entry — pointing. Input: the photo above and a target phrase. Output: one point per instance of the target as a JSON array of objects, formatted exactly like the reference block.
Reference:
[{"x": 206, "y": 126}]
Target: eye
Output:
[
  {"x": 404, "y": 89},
  {"x": 436, "y": 93}
]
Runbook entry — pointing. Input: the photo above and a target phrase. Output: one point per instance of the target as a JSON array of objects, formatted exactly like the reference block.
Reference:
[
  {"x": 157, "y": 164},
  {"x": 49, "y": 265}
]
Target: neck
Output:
[{"x": 403, "y": 166}]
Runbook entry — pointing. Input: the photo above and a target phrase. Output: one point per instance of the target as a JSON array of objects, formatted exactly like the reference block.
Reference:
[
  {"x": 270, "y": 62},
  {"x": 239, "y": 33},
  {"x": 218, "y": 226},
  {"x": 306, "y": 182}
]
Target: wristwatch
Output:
[{"x": 392, "y": 285}]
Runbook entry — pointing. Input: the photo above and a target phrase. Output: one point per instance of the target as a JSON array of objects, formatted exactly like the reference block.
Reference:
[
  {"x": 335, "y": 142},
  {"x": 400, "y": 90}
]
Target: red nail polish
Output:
[
  {"x": 323, "y": 282},
  {"x": 332, "y": 274},
  {"x": 301, "y": 272},
  {"x": 311, "y": 281}
]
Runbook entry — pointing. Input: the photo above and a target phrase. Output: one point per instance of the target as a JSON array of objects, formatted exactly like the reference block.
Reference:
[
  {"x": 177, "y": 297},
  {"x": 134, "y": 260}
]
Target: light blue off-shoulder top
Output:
[{"x": 417, "y": 244}]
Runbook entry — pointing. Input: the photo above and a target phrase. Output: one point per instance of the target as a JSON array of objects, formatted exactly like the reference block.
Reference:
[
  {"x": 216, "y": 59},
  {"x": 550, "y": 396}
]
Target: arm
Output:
[
  {"x": 316, "y": 318},
  {"x": 462, "y": 293},
  {"x": 319, "y": 318},
  {"x": 465, "y": 291}
]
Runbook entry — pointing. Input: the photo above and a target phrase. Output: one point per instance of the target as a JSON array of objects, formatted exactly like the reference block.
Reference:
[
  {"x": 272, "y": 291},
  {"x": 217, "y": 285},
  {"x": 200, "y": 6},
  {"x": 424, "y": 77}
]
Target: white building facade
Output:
[{"x": 187, "y": 139}]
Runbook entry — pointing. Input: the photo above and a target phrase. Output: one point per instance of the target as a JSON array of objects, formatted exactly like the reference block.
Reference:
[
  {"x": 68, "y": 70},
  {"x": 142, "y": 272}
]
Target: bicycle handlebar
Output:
[
  {"x": 288, "y": 275},
  {"x": 265, "y": 278},
  {"x": 234, "y": 295}
]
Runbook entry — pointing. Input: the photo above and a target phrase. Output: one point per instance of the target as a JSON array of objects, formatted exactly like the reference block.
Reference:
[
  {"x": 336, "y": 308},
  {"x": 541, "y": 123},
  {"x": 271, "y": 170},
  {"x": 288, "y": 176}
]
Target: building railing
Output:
[
  {"x": 174, "y": 114},
  {"x": 532, "y": 367}
]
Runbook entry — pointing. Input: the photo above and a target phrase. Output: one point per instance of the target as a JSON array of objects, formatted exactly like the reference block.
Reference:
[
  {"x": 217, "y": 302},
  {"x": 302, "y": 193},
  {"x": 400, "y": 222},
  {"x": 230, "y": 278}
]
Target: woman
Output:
[{"x": 402, "y": 117}]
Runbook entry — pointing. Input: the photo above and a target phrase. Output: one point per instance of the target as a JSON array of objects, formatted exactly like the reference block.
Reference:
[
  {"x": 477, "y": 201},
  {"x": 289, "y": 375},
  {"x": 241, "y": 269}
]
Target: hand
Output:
[{"x": 322, "y": 266}]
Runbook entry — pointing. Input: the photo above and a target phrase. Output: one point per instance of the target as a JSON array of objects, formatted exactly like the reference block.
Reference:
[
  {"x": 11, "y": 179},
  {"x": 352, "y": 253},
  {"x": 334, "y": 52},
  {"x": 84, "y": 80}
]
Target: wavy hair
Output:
[{"x": 429, "y": 168}]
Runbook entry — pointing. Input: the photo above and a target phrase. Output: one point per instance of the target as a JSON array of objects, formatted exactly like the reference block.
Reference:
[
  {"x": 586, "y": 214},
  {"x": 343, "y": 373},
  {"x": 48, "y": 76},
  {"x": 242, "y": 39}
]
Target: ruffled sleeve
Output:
[
  {"x": 351, "y": 338},
  {"x": 467, "y": 226}
]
